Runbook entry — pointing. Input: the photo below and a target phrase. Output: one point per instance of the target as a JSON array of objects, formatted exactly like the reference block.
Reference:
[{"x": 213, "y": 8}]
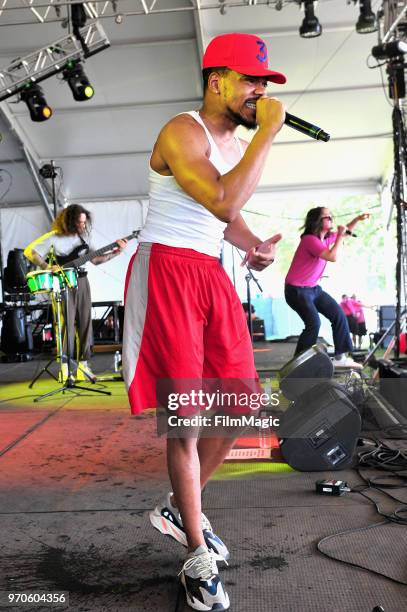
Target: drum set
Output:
[
  {"x": 44, "y": 281},
  {"x": 57, "y": 282}
]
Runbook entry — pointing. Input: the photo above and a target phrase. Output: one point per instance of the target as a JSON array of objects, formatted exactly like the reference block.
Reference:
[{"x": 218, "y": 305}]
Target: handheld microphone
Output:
[
  {"x": 349, "y": 233},
  {"x": 306, "y": 128}
]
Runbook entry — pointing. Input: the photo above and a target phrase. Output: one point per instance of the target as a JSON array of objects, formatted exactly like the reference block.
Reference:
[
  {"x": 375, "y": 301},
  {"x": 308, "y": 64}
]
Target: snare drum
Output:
[
  {"x": 67, "y": 278},
  {"x": 40, "y": 281}
]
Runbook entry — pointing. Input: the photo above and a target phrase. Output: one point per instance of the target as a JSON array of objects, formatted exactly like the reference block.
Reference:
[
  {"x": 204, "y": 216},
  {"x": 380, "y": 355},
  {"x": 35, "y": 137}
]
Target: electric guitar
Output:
[{"x": 74, "y": 260}]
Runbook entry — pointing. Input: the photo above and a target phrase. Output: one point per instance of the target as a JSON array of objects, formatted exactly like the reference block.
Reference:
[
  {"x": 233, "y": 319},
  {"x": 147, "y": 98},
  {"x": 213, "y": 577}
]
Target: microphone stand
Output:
[{"x": 249, "y": 277}]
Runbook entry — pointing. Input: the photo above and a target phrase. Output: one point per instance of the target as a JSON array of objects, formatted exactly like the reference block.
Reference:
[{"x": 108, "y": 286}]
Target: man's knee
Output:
[{"x": 185, "y": 444}]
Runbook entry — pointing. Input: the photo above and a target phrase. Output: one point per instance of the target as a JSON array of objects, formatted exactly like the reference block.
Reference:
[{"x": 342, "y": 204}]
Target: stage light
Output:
[
  {"x": 367, "y": 19},
  {"x": 389, "y": 50},
  {"x": 310, "y": 27},
  {"x": 33, "y": 96},
  {"x": 77, "y": 80}
]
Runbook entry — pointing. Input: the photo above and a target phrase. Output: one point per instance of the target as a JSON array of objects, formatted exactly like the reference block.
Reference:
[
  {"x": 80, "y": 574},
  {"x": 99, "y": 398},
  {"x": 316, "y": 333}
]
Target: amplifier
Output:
[
  {"x": 258, "y": 329},
  {"x": 393, "y": 383},
  {"x": 387, "y": 314}
]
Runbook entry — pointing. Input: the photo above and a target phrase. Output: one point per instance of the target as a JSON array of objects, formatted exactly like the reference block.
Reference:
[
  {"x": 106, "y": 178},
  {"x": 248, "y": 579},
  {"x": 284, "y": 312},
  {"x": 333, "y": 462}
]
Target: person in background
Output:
[
  {"x": 349, "y": 309},
  {"x": 246, "y": 310},
  {"x": 360, "y": 319},
  {"x": 319, "y": 244},
  {"x": 71, "y": 230}
]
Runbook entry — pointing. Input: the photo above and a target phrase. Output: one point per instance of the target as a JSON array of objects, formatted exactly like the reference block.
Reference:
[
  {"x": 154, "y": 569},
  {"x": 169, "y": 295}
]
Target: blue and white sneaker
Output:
[
  {"x": 168, "y": 521},
  {"x": 203, "y": 587}
]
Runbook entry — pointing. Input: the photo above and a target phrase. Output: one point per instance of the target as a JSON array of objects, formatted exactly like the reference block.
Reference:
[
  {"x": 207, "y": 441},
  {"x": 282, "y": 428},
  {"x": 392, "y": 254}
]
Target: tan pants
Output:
[{"x": 79, "y": 312}]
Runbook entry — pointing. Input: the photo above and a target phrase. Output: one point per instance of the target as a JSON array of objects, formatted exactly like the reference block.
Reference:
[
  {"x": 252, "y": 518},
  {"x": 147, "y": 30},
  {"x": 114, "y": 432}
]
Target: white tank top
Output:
[{"x": 176, "y": 219}]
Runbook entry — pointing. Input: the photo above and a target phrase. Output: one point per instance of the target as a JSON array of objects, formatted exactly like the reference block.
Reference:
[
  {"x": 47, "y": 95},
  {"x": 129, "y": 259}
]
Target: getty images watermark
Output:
[{"x": 214, "y": 407}]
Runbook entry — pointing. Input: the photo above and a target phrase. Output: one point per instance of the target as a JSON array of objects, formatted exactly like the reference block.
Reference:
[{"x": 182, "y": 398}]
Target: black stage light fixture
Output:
[
  {"x": 310, "y": 27},
  {"x": 77, "y": 80},
  {"x": 389, "y": 50},
  {"x": 47, "y": 171},
  {"x": 366, "y": 23},
  {"x": 33, "y": 96},
  {"x": 78, "y": 15}
]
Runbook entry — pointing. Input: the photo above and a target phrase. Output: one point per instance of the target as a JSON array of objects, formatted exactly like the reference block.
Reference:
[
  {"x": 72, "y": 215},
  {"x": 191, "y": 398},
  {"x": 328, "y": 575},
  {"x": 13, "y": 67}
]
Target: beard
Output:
[{"x": 239, "y": 119}]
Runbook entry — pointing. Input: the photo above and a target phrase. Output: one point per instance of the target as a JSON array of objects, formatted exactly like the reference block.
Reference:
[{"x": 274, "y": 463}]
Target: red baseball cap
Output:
[{"x": 244, "y": 53}]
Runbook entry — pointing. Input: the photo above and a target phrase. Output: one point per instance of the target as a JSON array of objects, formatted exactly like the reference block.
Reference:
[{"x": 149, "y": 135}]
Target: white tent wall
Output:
[
  {"x": 110, "y": 221},
  {"x": 20, "y": 225}
]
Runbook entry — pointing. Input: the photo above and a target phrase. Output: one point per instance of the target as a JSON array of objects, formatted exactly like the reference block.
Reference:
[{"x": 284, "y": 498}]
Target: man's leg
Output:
[
  {"x": 212, "y": 452},
  {"x": 84, "y": 316},
  {"x": 184, "y": 472},
  {"x": 69, "y": 316},
  {"x": 199, "y": 574}
]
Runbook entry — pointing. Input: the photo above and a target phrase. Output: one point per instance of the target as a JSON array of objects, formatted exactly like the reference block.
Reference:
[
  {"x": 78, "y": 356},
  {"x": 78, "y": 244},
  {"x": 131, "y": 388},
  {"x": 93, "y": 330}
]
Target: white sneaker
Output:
[
  {"x": 347, "y": 362},
  {"x": 84, "y": 372},
  {"x": 200, "y": 578},
  {"x": 167, "y": 520}
]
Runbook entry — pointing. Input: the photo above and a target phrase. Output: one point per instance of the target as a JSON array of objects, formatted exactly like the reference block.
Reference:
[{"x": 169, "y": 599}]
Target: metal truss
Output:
[
  {"x": 19, "y": 12},
  {"x": 394, "y": 20},
  {"x": 51, "y": 59}
]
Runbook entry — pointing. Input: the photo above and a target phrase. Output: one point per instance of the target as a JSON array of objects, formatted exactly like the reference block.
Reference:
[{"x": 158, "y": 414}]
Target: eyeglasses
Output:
[{"x": 327, "y": 217}]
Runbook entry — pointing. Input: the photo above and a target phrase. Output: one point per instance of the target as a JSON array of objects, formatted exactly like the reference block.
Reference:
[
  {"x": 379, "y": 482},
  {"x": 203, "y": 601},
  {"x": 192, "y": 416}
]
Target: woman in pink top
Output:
[
  {"x": 318, "y": 245},
  {"x": 360, "y": 319},
  {"x": 349, "y": 309}
]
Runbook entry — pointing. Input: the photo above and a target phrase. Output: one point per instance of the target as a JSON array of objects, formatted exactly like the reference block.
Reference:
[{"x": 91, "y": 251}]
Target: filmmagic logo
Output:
[
  {"x": 220, "y": 399},
  {"x": 224, "y": 420},
  {"x": 214, "y": 407}
]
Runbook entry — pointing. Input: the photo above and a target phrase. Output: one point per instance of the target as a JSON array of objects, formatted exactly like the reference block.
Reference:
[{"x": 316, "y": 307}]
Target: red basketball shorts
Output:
[{"x": 183, "y": 320}]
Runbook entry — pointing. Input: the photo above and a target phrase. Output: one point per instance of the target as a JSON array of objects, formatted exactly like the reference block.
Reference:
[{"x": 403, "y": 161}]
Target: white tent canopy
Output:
[{"x": 152, "y": 71}]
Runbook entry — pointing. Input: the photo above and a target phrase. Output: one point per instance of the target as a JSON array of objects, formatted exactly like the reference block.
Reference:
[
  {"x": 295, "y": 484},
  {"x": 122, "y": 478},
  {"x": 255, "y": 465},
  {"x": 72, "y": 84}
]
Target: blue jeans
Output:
[{"x": 307, "y": 303}]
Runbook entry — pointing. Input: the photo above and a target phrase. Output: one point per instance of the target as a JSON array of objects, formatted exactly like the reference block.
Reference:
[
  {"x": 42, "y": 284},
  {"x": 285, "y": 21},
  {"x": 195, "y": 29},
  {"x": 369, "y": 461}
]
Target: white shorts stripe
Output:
[{"x": 135, "y": 312}]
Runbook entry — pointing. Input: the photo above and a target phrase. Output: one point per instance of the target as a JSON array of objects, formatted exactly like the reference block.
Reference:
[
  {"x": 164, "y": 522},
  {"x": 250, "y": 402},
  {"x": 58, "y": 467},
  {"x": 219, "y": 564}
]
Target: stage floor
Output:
[{"x": 79, "y": 475}]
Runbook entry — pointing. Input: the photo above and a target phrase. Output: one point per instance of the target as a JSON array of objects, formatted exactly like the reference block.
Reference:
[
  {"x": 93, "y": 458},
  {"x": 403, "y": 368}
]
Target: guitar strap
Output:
[
  {"x": 84, "y": 243},
  {"x": 82, "y": 271}
]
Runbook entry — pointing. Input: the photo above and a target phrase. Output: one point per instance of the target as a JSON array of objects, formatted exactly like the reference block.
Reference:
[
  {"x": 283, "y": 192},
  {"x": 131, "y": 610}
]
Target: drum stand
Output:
[
  {"x": 69, "y": 383},
  {"x": 54, "y": 359}
]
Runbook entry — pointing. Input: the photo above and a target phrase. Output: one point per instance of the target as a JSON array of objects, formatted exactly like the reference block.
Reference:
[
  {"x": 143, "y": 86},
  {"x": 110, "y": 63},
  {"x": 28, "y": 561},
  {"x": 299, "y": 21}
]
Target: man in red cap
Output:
[{"x": 183, "y": 318}]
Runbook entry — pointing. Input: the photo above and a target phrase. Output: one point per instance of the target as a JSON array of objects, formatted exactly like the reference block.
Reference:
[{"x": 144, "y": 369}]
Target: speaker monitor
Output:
[
  {"x": 16, "y": 271},
  {"x": 16, "y": 333},
  {"x": 320, "y": 430},
  {"x": 387, "y": 314},
  {"x": 304, "y": 371},
  {"x": 393, "y": 383}
]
